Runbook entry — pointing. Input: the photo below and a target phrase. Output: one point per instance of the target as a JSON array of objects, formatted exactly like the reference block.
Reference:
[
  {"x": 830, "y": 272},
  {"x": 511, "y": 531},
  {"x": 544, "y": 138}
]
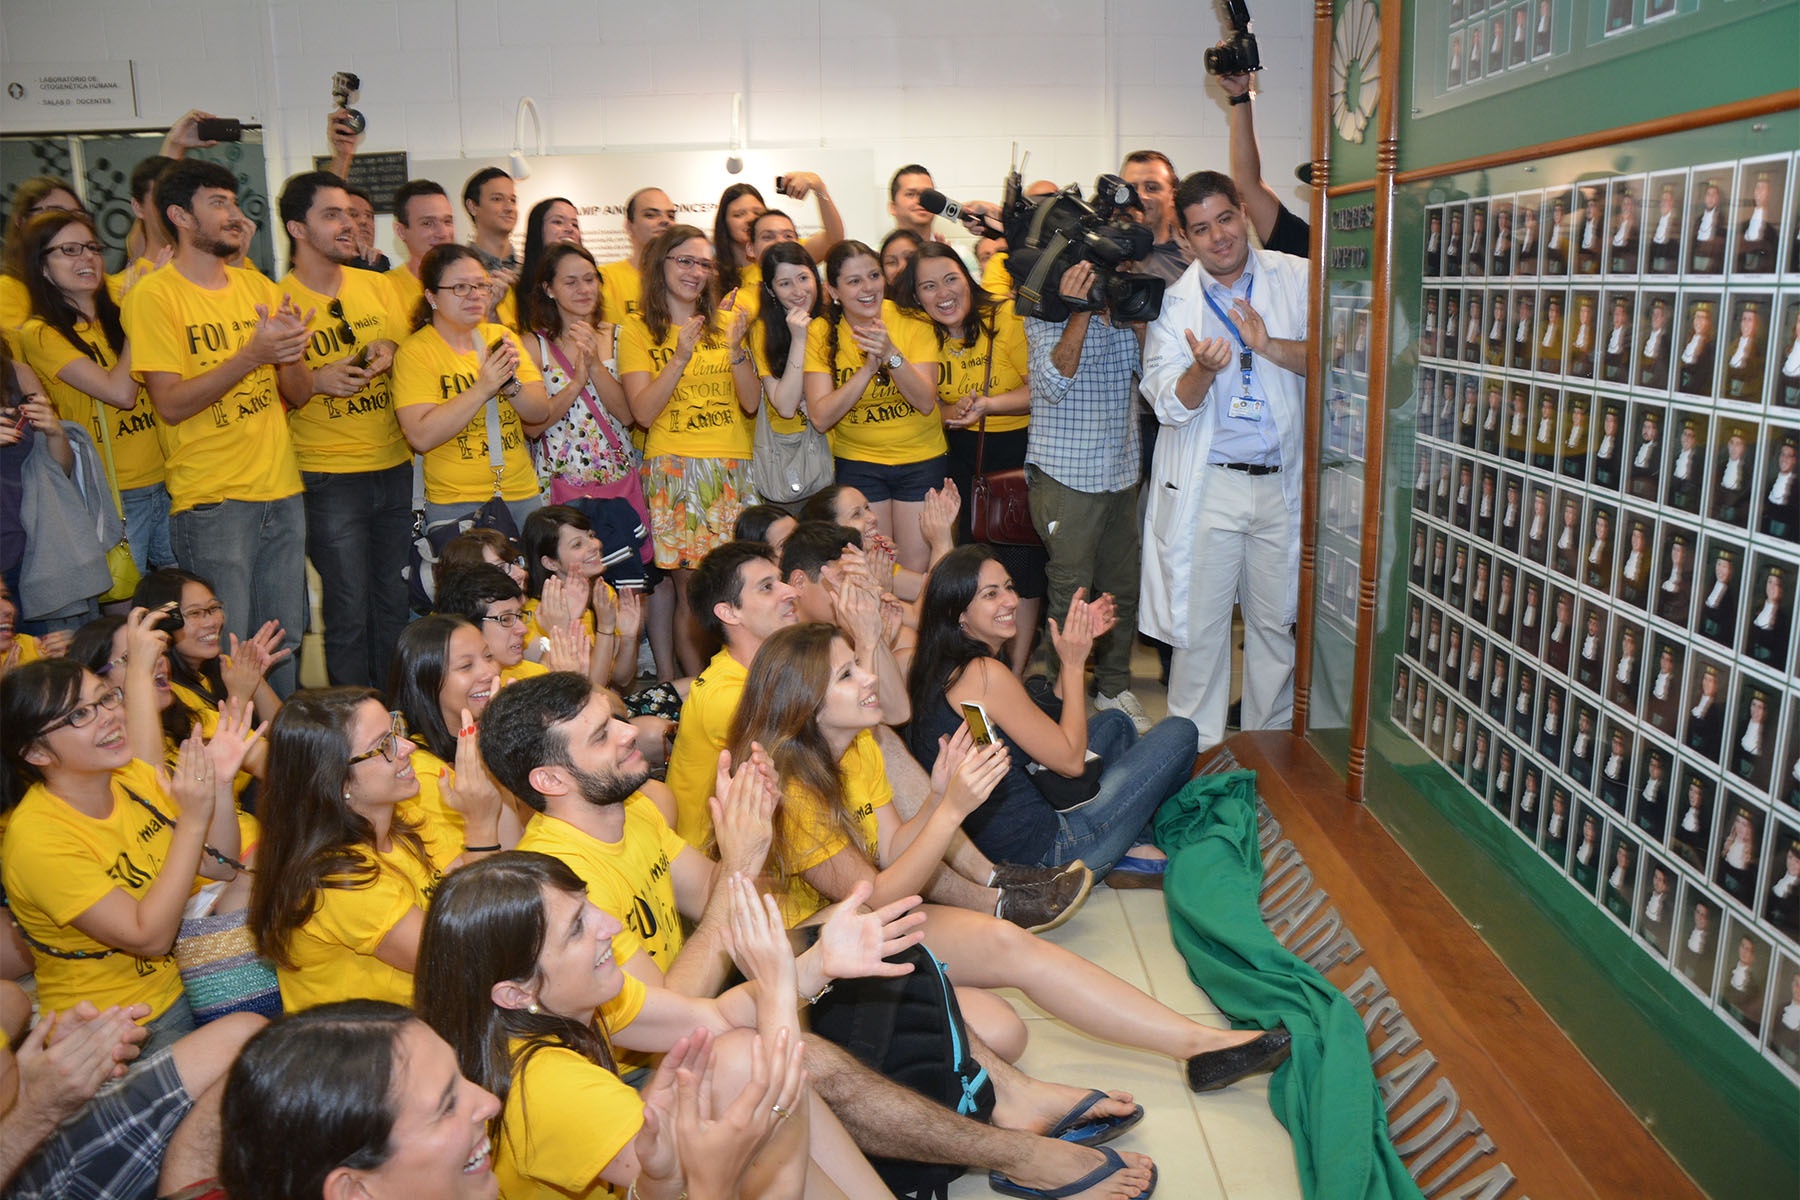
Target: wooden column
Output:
[
  {"x": 1315, "y": 362},
  {"x": 1380, "y": 327}
]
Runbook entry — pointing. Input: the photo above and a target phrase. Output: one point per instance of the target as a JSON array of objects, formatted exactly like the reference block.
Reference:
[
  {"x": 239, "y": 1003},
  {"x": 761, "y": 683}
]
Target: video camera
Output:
[
  {"x": 1236, "y": 55},
  {"x": 1046, "y": 237},
  {"x": 345, "y": 84}
]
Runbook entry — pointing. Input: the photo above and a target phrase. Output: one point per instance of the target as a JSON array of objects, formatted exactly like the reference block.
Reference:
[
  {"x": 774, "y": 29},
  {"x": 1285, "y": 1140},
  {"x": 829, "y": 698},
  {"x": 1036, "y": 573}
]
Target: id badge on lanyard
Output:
[{"x": 1244, "y": 406}]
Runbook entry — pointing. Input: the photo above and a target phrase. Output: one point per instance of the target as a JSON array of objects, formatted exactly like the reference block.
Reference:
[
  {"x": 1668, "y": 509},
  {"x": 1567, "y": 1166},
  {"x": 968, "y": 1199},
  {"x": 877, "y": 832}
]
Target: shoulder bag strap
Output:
[
  {"x": 987, "y": 380},
  {"x": 588, "y": 394}
]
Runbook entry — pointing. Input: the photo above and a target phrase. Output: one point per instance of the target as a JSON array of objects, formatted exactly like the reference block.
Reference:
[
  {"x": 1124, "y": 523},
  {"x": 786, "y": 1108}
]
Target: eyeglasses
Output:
[
  {"x": 335, "y": 310},
  {"x": 466, "y": 289},
  {"x": 113, "y": 664},
  {"x": 77, "y": 249},
  {"x": 388, "y": 745},
  {"x": 688, "y": 262},
  {"x": 506, "y": 620},
  {"x": 84, "y": 714},
  {"x": 200, "y": 614}
]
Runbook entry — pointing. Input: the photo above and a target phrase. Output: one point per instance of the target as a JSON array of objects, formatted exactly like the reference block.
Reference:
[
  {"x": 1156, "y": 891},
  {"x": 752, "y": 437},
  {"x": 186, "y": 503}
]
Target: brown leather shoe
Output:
[{"x": 1040, "y": 907}]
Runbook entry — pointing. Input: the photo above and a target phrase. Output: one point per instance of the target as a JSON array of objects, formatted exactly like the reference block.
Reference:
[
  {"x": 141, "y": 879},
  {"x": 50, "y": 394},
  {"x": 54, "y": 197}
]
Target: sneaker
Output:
[
  {"x": 1128, "y": 704},
  {"x": 1041, "y": 907},
  {"x": 1013, "y": 874}
]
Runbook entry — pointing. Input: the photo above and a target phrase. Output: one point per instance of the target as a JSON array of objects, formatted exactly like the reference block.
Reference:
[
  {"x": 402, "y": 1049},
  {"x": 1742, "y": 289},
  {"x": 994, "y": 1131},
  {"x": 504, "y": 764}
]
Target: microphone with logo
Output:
[{"x": 938, "y": 204}]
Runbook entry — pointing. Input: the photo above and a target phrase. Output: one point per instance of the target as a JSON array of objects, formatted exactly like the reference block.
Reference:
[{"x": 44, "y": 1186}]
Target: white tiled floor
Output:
[{"x": 1223, "y": 1145}]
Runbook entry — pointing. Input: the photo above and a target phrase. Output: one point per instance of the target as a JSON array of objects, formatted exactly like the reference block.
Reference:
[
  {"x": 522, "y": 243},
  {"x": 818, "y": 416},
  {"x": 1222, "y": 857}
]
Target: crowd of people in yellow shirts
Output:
[{"x": 511, "y": 957}]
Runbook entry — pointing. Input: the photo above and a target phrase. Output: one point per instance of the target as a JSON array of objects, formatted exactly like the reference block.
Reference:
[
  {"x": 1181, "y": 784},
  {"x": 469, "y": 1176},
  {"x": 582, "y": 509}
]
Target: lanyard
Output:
[{"x": 1245, "y": 359}]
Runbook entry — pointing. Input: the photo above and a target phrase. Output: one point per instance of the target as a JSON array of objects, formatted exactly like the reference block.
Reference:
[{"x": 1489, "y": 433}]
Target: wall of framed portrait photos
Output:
[
  {"x": 1604, "y": 547},
  {"x": 1560, "y": 409}
]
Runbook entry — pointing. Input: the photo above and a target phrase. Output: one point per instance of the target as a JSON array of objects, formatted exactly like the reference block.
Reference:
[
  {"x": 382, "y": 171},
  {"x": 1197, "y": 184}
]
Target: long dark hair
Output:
[
  {"x": 311, "y": 838},
  {"x": 978, "y": 323},
  {"x": 309, "y": 1094},
  {"x": 543, "y": 315},
  {"x": 780, "y": 709},
  {"x": 655, "y": 298},
  {"x": 158, "y": 590},
  {"x": 92, "y": 648},
  {"x": 487, "y": 925},
  {"x": 431, "y": 273},
  {"x": 723, "y": 243},
  {"x": 47, "y": 300},
  {"x": 777, "y": 340},
  {"x": 31, "y": 697},
  {"x": 417, "y": 675},
  {"x": 835, "y": 259},
  {"x": 944, "y": 649},
  {"x": 525, "y": 286},
  {"x": 543, "y": 529}
]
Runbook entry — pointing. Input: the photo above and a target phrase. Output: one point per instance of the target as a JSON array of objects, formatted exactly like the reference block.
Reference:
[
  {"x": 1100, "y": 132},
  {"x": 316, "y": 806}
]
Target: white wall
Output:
[{"x": 1074, "y": 81}]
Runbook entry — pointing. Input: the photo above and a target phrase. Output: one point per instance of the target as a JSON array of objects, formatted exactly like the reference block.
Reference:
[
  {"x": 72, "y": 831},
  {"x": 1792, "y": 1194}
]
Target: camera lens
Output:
[{"x": 357, "y": 122}]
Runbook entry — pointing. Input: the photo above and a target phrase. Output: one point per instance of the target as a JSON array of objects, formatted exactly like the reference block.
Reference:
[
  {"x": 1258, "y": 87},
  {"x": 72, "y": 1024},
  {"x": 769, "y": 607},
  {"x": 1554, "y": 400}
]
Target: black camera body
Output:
[
  {"x": 1046, "y": 237},
  {"x": 1237, "y": 54},
  {"x": 344, "y": 84}
]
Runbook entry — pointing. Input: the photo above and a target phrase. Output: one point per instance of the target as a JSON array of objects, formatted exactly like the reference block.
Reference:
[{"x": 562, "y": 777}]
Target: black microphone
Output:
[{"x": 935, "y": 202}]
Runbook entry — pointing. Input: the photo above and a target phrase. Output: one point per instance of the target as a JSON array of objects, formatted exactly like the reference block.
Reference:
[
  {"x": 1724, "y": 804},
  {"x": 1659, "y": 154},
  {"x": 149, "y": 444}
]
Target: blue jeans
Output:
[
  {"x": 254, "y": 552},
  {"x": 1137, "y": 775},
  {"x": 147, "y": 526},
  {"x": 358, "y": 532}
]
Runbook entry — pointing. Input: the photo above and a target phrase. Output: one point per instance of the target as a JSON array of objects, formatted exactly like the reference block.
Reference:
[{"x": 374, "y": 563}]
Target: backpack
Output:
[{"x": 910, "y": 1030}]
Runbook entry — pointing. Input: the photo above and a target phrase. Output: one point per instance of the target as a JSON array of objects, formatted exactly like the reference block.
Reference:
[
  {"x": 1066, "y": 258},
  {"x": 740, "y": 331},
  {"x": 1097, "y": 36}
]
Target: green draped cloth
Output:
[{"x": 1325, "y": 1094}]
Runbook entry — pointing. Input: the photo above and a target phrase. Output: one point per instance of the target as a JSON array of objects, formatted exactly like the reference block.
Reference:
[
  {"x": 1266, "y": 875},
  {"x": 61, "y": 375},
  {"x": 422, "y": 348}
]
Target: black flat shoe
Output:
[{"x": 1221, "y": 1068}]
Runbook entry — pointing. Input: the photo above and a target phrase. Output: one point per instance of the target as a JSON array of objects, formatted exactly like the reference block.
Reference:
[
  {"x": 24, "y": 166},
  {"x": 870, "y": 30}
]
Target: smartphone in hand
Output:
[{"x": 976, "y": 718}]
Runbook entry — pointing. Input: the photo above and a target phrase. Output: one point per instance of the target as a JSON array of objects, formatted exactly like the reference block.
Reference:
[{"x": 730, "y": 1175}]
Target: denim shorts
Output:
[{"x": 907, "y": 482}]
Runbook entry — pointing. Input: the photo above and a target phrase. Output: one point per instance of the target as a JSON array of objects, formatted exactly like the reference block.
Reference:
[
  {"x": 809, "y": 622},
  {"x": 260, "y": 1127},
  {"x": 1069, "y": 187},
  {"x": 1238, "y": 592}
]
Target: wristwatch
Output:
[{"x": 895, "y": 361}]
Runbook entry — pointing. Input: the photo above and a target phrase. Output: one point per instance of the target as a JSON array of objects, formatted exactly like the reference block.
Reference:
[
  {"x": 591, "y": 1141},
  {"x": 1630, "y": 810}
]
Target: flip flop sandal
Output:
[
  {"x": 1112, "y": 1166},
  {"x": 1077, "y": 1127}
]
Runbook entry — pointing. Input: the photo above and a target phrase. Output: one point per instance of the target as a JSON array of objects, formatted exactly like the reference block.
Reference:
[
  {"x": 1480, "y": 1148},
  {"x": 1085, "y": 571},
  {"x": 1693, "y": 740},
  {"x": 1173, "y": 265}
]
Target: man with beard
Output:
[
  {"x": 219, "y": 349},
  {"x": 354, "y": 461},
  {"x": 552, "y": 742}
]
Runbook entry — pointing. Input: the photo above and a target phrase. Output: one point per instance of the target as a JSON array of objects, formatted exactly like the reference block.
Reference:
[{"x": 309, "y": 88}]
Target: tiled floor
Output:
[{"x": 1223, "y": 1145}]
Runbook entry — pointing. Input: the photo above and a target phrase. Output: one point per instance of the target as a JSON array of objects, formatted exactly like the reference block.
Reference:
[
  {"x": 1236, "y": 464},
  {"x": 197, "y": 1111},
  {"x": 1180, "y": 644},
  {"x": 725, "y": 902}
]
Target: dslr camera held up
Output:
[
  {"x": 1237, "y": 54},
  {"x": 1046, "y": 237}
]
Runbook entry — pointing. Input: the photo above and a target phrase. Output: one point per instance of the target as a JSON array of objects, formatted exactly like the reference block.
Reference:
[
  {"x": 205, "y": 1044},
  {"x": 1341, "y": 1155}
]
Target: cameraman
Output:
[
  {"x": 1224, "y": 368},
  {"x": 1081, "y": 462}
]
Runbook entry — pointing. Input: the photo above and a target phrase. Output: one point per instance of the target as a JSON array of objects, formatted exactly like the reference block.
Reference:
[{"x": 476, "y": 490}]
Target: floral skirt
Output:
[{"x": 694, "y": 503}]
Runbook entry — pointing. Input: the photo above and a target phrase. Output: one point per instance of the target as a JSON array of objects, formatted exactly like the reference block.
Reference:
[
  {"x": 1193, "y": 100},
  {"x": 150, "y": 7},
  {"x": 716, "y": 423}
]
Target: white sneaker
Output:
[{"x": 1128, "y": 704}]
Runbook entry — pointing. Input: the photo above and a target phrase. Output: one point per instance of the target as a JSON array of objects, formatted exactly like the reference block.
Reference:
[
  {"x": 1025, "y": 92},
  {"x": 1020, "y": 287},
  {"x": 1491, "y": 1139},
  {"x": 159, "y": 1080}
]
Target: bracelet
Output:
[
  {"x": 493, "y": 849},
  {"x": 820, "y": 996},
  {"x": 613, "y": 632},
  {"x": 738, "y": 360},
  {"x": 631, "y": 1193},
  {"x": 1241, "y": 98}
]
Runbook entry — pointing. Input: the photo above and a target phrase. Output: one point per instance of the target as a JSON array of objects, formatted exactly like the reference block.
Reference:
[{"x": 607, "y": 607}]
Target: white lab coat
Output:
[{"x": 1177, "y": 473}]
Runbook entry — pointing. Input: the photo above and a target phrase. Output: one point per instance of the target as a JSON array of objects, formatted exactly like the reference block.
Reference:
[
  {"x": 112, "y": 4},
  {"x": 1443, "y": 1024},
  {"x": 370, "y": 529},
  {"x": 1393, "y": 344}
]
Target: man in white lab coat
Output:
[{"x": 1224, "y": 369}]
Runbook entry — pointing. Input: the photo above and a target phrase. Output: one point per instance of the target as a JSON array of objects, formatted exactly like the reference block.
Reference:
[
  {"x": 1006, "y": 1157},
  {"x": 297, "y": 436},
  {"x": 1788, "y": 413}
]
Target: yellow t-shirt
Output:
[
  {"x": 15, "y": 305},
  {"x": 749, "y": 293},
  {"x": 566, "y": 1118},
  {"x": 238, "y": 448},
  {"x": 353, "y": 433},
  {"x": 137, "y": 452},
  {"x": 428, "y": 371},
  {"x": 524, "y": 669},
  {"x": 703, "y": 418},
  {"x": 883, "y": 426},
  {"x": 628, "y": 878},
  {"x": 408, "y": 291},
  {"x": 759, "y": 354},
  {"x": 334, "y": 952},
  {"x": 963, "y": 367},
  {"x": 621, "y": 290},
  {"x": 701, "y": 733},
  {"x": 996, "y": 277},
  {"x": 29, "y": 650},
  {"x": 813, "y": 837},
  {"x": 57, "y": 863},
  {"x": 535, "y": 632}
]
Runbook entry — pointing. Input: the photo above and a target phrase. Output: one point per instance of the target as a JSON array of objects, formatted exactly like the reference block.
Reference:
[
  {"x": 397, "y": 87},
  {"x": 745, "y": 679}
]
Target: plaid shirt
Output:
[{"x": 1084, "y": 429}]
